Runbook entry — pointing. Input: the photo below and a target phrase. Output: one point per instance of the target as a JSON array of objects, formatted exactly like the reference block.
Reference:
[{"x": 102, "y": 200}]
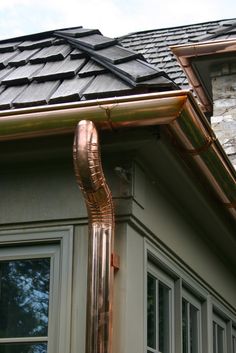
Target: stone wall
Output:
[{"x": 224, "y": 110}]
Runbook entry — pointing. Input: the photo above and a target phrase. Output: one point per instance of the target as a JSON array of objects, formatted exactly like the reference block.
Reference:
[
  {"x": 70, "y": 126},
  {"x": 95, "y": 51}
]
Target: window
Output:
[
  {"x": 35, "y": 277},
  {"x": 219, "y": 335},
  {"x": 26, "y": 289},
  {"x": 234, "y": 339},
  {"x": 159, "y": 311},
  {"x": 191, "y": 323},
  {"x": 162, "y": 300},
  {"x": 181, "y": 314}
]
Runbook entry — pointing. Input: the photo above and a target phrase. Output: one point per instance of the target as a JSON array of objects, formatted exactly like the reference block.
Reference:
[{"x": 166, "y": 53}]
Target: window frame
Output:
[
  {"x": 196, "y": 303},
  {"x": 234, "y": 339},
  {"x": 161, "y": 277},
  {"x": 219, "y": 322},
  {"x": 188, "y": 285},
  {"x": 44, "y": 239},
  {"x": 50, "y": 251}
]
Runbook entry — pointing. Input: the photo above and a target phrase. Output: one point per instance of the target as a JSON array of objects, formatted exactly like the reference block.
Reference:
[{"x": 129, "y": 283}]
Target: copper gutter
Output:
[
  {"x": 60, "y": 119},
  {"x": 177, "y": 110},
  {"x": 99, "y": 204},
  {"x": 185, "y": 53}
]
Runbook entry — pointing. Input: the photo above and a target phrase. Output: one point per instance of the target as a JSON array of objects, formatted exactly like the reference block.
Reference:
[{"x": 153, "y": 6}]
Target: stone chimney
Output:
[{"x": 223, "y": 121}]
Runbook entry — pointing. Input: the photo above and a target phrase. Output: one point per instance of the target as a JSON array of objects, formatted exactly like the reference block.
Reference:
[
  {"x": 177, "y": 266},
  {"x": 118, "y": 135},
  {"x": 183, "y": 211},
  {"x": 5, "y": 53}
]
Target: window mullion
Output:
[
  {"x": 157, "y": 316},
  {"x": 216, "y": 337},
  {"x": 229, "y": 335},
  {"x": 233, "y": 339},
  {"x": 199, "y": 323},
  {"x": 207, "y": 326},
  {"x": 188, "y": 326},
  {"x": 178, "y": 316},
  {"x": 54, "y": 320}
]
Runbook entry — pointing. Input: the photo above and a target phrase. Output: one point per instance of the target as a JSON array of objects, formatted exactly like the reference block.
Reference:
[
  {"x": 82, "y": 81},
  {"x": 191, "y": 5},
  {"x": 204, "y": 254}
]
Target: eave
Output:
[
  {"x": 177, "y": 110},
  {"x": 186, "y": 54}
]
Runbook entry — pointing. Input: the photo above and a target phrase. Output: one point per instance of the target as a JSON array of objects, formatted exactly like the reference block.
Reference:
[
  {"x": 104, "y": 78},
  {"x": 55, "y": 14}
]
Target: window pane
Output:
[
  {"x": 234, "y": 344},
  {"x": 220, "y": 339},
  {"x": 151, "y": 312},
  {"x": 185, "y": 325},
  {"x": 193, "y": 329},
  {"x": 214, "y": 337},
  {"x": 23, "y": 348},
  {"x": 164, "y": 314},
  {"x": 24, "y": 297}
]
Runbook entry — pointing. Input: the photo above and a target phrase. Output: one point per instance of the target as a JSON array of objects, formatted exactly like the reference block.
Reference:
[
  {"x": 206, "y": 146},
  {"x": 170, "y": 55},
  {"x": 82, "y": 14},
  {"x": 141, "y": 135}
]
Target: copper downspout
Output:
[{"x": 99, "y": 203}]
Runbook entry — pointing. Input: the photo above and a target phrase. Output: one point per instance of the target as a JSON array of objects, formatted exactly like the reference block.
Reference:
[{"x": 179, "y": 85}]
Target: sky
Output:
[{"x": 113, "y": 17}]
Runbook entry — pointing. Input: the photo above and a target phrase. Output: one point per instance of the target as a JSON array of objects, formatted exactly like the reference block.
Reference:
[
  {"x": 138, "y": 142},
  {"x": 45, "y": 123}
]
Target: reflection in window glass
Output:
[
  {"x": 158, "y": 316},
  {"x": 234, "y": 340},
  {"x": 190, "y": 327},
  {"x": 234, "y": 344},
  {"x": 220, "y": 339},
  {"x": 219, "y": 333},
  {"x": 151, "y": 312},
  {"x": 24, "y": 299},
  {"x": 185, "y": 326},
  {"x": 214, "y": 337},
  {"x": 23, "y": 348},
  {"x": 163, "y": 318},
  {"x": 194, "y": 329}
]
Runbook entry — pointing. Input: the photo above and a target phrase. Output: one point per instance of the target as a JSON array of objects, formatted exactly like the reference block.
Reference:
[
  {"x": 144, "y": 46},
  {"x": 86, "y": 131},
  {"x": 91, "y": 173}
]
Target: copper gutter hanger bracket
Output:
[{"x": 101, "y": 264}]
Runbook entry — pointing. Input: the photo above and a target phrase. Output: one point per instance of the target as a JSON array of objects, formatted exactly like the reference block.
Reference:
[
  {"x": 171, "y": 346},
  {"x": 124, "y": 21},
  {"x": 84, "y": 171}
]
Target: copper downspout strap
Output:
[{"x": 99, "y": 204}]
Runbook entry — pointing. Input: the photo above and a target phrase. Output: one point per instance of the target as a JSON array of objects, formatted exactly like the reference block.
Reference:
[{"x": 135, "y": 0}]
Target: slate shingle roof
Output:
[
  {"x": 71, "y": 65},
  {"x": 155, "y": 45},
  {"x": 76, "y": 64}
]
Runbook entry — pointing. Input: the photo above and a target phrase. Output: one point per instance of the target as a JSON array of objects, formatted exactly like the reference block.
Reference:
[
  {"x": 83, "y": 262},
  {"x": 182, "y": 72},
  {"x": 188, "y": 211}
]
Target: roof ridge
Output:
[
  {"x": 128, "y": 65},
  {"x": 35, "y": 35},
  {"x": 175, "y": 27},
  {"x": 218, "y": 32}
]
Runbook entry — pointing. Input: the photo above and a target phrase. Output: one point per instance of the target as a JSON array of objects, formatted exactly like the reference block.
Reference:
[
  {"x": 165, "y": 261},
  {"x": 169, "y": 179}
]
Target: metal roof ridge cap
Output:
[{"x": 95, "y": 52}]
